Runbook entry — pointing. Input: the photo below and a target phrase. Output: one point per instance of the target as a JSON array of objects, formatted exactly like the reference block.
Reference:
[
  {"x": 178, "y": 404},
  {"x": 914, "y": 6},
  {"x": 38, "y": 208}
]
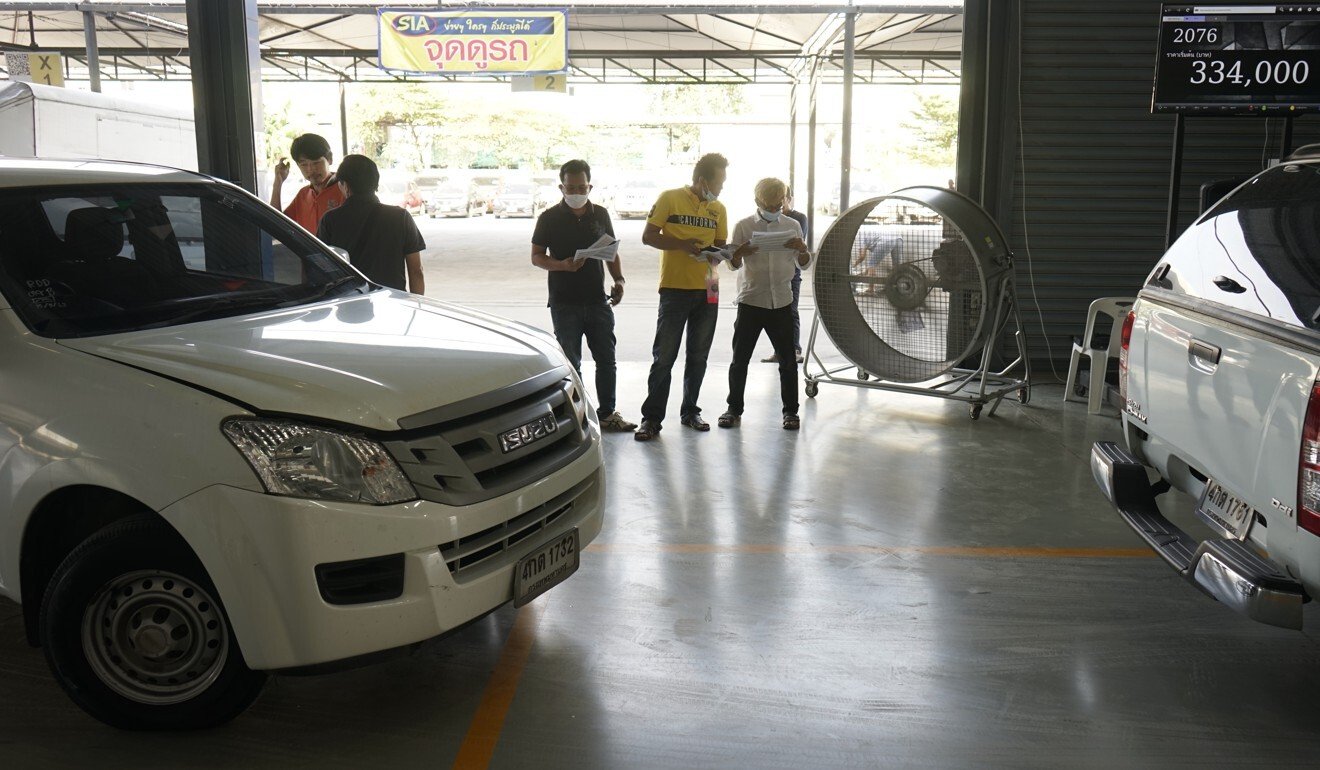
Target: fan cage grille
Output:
[{"x": 900, "y": 290}]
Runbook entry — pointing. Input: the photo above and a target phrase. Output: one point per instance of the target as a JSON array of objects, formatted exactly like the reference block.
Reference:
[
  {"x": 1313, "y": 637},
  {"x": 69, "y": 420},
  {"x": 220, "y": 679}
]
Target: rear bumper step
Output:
[{"x": 1228, "y": 570}]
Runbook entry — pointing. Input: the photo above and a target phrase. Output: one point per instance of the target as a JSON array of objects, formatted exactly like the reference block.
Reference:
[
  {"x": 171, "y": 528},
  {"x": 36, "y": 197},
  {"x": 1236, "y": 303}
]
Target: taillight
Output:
[
  {"x": 1126, "y": 338},
  {"x": 1308, "y": 475}
]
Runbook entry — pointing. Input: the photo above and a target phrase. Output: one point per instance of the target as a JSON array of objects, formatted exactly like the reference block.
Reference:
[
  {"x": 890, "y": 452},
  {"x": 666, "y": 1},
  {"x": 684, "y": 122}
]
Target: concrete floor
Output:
[{"x": 894, "y": 586}]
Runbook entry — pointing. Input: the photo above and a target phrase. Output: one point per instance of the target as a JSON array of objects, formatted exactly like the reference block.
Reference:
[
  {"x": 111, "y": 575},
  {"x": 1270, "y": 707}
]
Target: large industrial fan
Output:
[{"x": 911, "y": 285}]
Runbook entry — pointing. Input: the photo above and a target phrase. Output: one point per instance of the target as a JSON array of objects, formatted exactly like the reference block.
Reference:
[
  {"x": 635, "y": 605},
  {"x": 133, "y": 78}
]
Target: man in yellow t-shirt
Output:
[{"x": 682, "y": 223}]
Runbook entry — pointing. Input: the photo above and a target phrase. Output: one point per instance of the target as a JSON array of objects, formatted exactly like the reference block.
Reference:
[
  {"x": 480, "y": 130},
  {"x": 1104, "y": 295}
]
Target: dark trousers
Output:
[
  {"x": 797, "y": 320},
  {"x": 679, "y": 309},
  {"x": 778, "y": 326},
  {"x": 596, "y": 323}
]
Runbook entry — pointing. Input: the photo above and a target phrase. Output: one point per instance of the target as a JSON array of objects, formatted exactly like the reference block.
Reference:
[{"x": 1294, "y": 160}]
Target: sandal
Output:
[
  {"x": 792, "y": 422},
  {"x": 729, "y": 420}
]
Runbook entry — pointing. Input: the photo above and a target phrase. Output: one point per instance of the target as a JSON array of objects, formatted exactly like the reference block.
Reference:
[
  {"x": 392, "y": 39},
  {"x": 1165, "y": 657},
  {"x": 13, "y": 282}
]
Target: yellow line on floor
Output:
[
  {"x": 987, "y": 552},
  {"x": 479, "y": 744}
]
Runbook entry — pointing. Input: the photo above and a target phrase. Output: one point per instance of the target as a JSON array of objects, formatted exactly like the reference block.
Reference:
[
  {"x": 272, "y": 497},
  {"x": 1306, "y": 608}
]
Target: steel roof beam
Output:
[{"x": 369, "y": 9}]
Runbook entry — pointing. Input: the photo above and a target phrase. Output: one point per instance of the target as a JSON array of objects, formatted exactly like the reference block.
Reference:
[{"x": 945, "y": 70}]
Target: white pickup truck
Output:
[
  {"x": 1219, "y": 370},
  {"x": 224, "y": 452}
]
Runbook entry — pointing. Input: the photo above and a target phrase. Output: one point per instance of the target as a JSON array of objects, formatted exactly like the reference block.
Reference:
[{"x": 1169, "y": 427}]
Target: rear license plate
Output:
[
  {"x": 1224, "y": 512},
  {"x": 546, "y": 567}
]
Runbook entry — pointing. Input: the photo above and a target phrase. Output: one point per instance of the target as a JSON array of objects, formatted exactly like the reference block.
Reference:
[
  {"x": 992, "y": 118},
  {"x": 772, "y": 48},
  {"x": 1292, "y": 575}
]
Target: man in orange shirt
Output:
[{"x": 312, "y": 154}]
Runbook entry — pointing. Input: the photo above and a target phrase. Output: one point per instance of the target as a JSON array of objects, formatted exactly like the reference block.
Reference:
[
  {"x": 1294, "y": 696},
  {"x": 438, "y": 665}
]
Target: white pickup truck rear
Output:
[{"x": 1221, "y": 354}]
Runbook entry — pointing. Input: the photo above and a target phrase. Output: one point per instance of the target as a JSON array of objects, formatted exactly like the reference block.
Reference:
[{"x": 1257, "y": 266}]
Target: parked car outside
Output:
[
  {"x": 400, "y": 192},
  {"x": 428, "y": 182},
  {"x": 515, "y": 200},
  {"x": 488, "y": 186},
  {"x": 224, "y": 452},
  {"x": 455, "y": 199},
  {"x": 634, "y": 199},
  {"x": 1218, "y": 377}
]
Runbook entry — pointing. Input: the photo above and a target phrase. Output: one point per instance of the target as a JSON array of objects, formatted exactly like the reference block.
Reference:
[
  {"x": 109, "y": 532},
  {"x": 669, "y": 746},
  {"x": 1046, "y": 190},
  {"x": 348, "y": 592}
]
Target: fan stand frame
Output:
[{"x": 976, "y": 387}]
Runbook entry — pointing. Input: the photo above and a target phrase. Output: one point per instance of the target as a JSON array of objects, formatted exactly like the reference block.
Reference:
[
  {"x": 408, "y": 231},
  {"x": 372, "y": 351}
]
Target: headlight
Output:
[{"x": 298, "y": 460}]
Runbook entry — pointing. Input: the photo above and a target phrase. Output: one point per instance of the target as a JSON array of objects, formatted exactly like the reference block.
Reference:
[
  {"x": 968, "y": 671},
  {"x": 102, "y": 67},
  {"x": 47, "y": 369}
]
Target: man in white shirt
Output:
[{"x": 765, "y": 297}]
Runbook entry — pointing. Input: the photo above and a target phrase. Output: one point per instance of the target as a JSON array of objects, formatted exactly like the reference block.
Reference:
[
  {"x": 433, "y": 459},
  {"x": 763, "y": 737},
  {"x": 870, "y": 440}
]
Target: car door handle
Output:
[
  {"x": 1204, "y": 352},
  {"x": 1228, "y": 284}
]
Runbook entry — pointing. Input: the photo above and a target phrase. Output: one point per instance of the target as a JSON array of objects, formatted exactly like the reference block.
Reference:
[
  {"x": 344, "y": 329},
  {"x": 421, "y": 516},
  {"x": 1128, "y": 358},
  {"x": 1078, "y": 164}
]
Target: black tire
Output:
[
  {"x": 976, "y": 411},
  {"x": 812, "y": 389},
  {"x": 144, "y": 553}
]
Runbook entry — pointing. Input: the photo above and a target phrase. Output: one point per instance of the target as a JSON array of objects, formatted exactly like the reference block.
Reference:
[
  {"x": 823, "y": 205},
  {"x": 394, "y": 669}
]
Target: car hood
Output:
[{"x": 367, "y": 361}]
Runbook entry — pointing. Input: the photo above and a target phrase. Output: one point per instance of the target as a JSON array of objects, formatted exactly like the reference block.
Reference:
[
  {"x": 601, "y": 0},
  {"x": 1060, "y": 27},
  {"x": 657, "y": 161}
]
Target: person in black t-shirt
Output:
[
  {"x": 382, "y": 241},
  {"x": 578, "y": 304}
]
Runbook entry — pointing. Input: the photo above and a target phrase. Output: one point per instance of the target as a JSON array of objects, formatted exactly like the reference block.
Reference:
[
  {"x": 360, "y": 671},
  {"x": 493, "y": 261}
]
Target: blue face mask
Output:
[{"x": 769, "y": 216}]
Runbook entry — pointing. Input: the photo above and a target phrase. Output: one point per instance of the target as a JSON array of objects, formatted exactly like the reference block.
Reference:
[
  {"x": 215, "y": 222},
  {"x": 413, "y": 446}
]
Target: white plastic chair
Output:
[{"x": 1117, "y": 309}]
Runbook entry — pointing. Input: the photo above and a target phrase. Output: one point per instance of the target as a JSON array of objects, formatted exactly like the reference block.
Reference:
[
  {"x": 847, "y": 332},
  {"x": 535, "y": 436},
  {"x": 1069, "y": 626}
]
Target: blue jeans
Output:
[
  {"x": 679, "y": 308},
  {"x": 596, "y": 323}
]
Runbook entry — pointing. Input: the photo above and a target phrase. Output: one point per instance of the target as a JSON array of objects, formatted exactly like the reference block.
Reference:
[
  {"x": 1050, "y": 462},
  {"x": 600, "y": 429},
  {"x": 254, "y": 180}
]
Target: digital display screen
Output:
[{"x": 1261, "y": 59}]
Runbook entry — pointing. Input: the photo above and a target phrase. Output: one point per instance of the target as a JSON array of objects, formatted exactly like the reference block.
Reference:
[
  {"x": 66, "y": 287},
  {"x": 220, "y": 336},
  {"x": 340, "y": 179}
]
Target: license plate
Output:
[
  {"x": 530, "y": 433},
  {"x": 1224, "y": 512},
  {"x": 545, "y": 568}
]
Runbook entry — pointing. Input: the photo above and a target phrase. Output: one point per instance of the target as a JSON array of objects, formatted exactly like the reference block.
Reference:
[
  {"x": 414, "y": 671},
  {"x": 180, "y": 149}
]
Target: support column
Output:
[
  {"x": 845, "y": 163},
  {"x": 988, "y": 151},
  {"x": 792, "y": 135},
  {"x": 93, "y": 52},
  {"x": 223, "y": 54},
  {"x": 343, "y": 121},
  {"x": 811, "y": 159}
]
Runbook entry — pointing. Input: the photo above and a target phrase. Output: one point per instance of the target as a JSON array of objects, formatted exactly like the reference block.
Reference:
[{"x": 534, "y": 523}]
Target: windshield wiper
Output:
[
  {"x": 224, "y": 304},
  {"x": 334, "y": 286}
]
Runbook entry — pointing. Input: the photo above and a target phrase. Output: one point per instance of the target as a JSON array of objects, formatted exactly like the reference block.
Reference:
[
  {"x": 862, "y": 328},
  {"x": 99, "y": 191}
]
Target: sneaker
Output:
[
  {"x": 773, "y": 358},
  {"x": 647, "y": 431},
  {"x": 799, "y": 357},
  {"x": 729, "y": 420},
  {"x": 792, "y": 422},
  {"x": 615, "y": 423},
  {"x": 695, "y": 422}
]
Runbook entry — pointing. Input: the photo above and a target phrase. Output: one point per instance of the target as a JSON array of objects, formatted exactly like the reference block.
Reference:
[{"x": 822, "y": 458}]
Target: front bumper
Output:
[
  {"x": 262, "y": 551},
  {"x": 1228, "y": 570}
]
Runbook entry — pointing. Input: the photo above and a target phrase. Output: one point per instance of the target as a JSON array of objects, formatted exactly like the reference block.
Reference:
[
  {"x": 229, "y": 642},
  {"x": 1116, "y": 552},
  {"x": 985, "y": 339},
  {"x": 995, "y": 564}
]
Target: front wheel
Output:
[{"x": 135, "y": 633}]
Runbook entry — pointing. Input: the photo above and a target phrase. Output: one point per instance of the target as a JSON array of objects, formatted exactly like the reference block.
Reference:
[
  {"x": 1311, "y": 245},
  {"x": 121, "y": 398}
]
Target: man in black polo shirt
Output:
[
  {"x": 382, "y": 241},
  {"x": 578, "y": 304}
]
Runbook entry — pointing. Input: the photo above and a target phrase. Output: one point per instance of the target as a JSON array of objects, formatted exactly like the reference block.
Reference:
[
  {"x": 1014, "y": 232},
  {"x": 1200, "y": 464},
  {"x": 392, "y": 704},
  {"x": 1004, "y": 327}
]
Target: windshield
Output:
[{"x": 91, "y": 260}]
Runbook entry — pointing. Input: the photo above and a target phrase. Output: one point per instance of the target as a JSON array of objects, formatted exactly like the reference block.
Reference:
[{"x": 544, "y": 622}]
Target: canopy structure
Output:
[{"x": 620, "y": 41}]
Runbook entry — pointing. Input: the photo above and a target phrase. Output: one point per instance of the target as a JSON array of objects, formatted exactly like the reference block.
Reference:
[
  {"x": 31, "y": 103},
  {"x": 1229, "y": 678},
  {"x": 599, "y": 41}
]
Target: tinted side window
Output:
[{"x": 1258, "y": 251}]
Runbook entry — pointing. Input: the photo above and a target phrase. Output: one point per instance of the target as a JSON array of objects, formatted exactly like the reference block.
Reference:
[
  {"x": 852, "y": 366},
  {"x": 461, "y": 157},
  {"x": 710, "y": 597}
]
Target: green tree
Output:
[
  {"x": 679, "y": 100},
  {"x": 933, "y": 130},
  {"x": 279, "y": 132}
]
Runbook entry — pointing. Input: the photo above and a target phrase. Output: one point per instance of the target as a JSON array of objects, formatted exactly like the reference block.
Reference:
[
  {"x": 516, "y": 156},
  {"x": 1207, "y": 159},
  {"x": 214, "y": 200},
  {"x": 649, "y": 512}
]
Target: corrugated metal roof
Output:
[{"x": 617, "y": 41}]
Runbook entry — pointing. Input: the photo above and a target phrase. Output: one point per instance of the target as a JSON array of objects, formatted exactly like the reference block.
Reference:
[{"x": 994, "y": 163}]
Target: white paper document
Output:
[
  {"x": 772, "y": 240},
  {"x": 606, "y": 248},
  {"x": 711, "y": 252}
]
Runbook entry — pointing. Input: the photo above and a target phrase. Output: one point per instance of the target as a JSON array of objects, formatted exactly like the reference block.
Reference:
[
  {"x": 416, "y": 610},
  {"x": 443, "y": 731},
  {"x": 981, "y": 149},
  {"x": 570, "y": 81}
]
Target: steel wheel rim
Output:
[{"x": 155, "y": 637}]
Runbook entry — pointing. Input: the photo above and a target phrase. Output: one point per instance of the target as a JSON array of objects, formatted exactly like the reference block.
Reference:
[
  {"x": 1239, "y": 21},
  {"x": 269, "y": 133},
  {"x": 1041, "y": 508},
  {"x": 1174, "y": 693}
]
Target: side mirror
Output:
[{"x": 343, "y": 254}]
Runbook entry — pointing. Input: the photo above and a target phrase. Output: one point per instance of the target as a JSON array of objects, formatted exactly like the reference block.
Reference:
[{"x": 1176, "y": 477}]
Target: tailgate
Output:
[{"x": 1227, "y": 400}]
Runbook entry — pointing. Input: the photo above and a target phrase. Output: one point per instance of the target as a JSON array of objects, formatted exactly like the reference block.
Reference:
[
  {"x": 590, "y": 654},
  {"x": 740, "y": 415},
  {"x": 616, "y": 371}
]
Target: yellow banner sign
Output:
[{"x": 473, "y": 41}]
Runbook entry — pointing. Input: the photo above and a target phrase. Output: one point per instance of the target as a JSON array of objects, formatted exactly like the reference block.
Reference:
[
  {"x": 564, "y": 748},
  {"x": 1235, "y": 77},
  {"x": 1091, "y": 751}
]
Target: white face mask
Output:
[
  {"x": 575, "y": 201},
  {"x": 769, "y": 216},
  {"x": 710, "y": 197}
]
